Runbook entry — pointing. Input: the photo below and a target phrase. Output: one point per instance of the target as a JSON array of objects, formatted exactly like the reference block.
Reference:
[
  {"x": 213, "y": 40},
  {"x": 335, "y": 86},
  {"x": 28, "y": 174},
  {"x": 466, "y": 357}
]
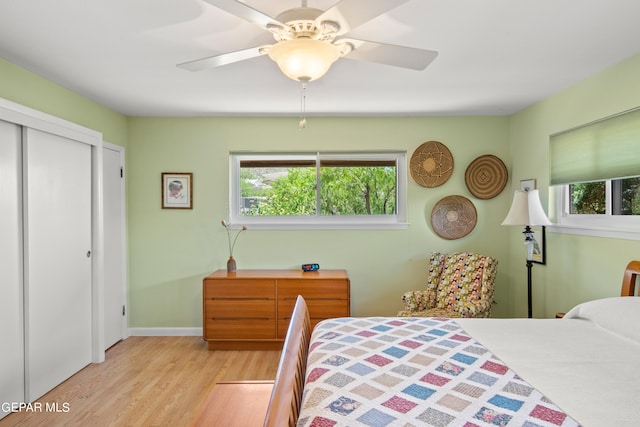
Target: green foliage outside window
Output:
[
  {"x": 358, "y": 190},
  {"x": 630, "y": 196},
  {"x": 588, "y": 198},
  {"x": 352, "y": 190}
]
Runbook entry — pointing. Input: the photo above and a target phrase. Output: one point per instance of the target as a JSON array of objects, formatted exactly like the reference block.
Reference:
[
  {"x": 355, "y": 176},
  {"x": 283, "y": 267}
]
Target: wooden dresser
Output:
[{"x": 251, "y": 309}]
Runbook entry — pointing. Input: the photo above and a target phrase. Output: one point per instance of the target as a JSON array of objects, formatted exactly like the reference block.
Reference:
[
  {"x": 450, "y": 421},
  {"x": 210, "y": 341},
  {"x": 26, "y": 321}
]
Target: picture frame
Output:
[
  {"x": 177, "y": 190},
  {"x": 539, "y": 245},
  {"x": 527, "y": 184}
]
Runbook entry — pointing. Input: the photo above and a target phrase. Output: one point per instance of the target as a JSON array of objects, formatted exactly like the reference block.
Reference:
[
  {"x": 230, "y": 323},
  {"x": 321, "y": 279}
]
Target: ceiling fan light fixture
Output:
[{"x": 304, "y": 59}]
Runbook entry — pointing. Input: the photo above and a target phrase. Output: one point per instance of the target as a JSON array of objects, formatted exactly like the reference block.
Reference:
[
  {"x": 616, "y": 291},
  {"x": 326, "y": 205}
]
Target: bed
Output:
[{"x": 389, "y": 371}]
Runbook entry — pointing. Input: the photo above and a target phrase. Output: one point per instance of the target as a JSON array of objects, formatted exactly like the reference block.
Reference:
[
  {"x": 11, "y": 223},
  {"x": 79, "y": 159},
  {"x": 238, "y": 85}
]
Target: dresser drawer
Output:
[
  {"x": 310, "y": 289},
  {"x": 239, "y": 288},
  {"x": 240, "y": 309},
  {"x": 318, "y": 308},
  {"x": 240, "y": 329}
]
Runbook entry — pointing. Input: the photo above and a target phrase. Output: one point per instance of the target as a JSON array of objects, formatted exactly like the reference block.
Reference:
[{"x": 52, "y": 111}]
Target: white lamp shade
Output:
[
  {"x": 526, "y": 209},
  {"x": 304, "y": 59}
]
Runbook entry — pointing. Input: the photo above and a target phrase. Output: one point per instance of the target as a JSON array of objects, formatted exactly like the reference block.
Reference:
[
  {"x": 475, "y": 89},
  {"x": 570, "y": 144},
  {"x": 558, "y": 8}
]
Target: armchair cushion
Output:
[{"x": 431, "y": 312}]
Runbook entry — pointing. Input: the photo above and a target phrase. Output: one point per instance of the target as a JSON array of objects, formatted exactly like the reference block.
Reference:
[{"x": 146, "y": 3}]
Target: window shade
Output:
[{"x": 605, "y": 149}]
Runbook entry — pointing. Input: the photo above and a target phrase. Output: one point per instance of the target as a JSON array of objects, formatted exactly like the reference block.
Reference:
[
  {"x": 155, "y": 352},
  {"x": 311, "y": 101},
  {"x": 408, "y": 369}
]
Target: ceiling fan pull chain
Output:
[{"x": 303, "y": 105}]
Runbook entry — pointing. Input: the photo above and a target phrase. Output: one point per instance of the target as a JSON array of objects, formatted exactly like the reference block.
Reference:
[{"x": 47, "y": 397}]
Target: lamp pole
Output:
[
  {"x": 529, "y": 265},
  {"x": 528, "y": 241}
]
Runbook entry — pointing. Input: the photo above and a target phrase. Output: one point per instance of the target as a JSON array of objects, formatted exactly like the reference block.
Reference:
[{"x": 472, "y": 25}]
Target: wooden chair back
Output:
[
  {"x": 286, "y": 397},
  {"x": 629, "y": 280}
]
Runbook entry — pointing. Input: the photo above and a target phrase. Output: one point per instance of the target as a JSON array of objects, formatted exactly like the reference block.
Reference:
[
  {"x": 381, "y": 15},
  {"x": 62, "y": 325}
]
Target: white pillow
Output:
[{"x": 619, "y": 315}]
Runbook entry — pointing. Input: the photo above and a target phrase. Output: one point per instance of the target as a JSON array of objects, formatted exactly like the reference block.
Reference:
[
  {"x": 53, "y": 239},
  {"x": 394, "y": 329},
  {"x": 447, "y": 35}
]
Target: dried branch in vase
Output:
[{"x": 232, "y": 239}]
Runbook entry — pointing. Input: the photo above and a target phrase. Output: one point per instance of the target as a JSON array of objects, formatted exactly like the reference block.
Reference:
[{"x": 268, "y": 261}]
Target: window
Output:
[
  {"x": 609, "y": 208},
  {"x": 596, "y": 171},
  {"x": 321, "y": 190},
  {"x": 616, "y": 201}
]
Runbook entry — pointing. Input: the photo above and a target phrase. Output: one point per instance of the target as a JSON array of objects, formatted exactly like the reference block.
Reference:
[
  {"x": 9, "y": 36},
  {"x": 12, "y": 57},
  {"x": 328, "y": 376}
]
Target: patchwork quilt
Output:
[{"x": 381, "y": 372}]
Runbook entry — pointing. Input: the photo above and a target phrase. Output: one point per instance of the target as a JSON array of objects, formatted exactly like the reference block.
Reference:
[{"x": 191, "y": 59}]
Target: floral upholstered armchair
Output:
[{"x": 459, "y": 285}]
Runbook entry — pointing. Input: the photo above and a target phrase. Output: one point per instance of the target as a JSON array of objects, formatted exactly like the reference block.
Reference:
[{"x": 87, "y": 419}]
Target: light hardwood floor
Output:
[{"x": 146, "y": 381}]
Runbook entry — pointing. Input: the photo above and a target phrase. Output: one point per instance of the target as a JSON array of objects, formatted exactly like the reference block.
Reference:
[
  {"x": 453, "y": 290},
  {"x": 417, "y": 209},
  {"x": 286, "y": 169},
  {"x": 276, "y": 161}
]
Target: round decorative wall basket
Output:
[
  {"x": 453, "y": 217},
  {"x": 486, "y": 176},
  {"x": 431, "y": 165}
]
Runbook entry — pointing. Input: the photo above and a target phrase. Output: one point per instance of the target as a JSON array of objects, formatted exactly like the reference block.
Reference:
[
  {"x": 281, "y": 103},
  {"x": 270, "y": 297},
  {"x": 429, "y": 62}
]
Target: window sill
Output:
[{"x": 584, "y": 230}]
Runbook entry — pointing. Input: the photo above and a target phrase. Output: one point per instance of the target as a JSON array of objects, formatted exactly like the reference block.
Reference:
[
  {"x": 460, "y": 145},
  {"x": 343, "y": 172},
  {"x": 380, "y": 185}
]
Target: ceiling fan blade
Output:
[
  {"x": 223, "y": 59},
  {"x": 399, "y": 56},
  {"x": 245, "y": 12},
  {"x": 350, "y": 14}
]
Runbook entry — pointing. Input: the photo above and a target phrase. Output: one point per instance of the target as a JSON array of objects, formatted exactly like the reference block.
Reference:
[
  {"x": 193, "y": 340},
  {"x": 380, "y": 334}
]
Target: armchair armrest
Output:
[
  {"x": 480, "y": 308},
  {"x": 415, "y": 301}
]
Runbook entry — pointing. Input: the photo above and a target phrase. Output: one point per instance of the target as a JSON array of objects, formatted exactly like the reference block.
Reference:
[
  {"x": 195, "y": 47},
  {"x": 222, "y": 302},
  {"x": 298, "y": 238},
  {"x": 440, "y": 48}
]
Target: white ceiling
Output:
[{"x": 495, "y": 56}]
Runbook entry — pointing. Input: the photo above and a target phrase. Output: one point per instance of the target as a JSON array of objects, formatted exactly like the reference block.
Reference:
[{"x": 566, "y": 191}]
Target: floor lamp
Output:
[{"x": 526, "y": 210}]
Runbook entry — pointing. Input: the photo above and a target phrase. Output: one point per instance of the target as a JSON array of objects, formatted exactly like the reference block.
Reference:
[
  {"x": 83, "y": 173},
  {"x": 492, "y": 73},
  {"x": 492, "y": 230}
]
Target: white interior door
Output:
[
  {"x": 114, "y": 247},
  {"x": 11, "y": 303},
  {"x": 58, "y": 272}
]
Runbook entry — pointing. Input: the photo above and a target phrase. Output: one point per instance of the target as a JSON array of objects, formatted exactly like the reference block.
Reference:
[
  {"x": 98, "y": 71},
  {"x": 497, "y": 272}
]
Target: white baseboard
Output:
[{"x": 165, "y": 332}]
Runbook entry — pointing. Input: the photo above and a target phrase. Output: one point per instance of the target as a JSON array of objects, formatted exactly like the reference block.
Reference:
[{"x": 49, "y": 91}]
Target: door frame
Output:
[
  {"x": 123, "y": 235},
  {"x": 28, "y": 117}
]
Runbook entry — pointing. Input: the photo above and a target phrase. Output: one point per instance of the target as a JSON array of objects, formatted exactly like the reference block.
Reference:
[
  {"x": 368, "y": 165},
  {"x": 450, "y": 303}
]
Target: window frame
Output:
[
  {"x": 625, "y": 227},
  {"x": 299, "y": 222}
]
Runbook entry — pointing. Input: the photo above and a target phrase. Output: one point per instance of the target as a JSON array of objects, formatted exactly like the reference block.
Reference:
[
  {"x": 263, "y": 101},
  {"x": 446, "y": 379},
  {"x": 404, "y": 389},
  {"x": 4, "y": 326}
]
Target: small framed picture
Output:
[
  {"x": 177, "y": 190},
  {"x": 527, "y": 184},
  {"x": 539, "y": 245}
]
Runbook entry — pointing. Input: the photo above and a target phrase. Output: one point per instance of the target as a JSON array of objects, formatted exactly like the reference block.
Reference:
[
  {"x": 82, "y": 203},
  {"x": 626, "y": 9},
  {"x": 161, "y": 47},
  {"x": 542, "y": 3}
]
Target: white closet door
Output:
[
  {"x": 114, "y": 265},
  {"x": 57, "y": 194},
  {"x": 11, "y": 338}
]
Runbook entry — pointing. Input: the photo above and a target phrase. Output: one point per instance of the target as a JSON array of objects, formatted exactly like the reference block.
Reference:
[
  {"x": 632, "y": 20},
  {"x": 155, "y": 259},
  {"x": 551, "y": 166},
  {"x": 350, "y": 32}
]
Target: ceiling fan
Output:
[{"x": 308, "y": 40}]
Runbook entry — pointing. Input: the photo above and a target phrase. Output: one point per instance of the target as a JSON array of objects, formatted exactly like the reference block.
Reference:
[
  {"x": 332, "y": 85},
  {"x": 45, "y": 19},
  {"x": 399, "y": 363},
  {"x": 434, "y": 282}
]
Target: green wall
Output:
[
  {"x": 170, "y": 251},
  {"x": 579, "y": 268}
]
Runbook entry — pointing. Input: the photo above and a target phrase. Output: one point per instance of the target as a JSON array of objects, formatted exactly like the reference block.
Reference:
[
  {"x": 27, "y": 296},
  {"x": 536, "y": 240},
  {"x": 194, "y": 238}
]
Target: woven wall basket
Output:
[
  {"x": 453, "y": 217},
  {"x": 486, "y": 176},
  {"x": 431, "y": 165}
]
